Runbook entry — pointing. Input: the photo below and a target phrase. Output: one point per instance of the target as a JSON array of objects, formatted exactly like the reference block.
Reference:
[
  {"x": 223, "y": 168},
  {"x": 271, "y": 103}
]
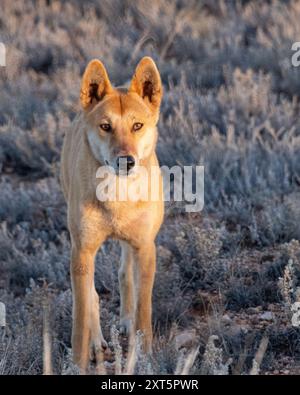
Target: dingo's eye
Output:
[
  {"x": 137, "y": 126},
  {"x": 106, "y": 127}
]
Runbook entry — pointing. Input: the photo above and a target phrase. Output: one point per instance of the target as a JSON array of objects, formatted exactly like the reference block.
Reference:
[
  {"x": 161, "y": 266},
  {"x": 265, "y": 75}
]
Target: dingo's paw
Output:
[
  {"x": 97, "y": 348},
  {"x": 125, "y": 326}
]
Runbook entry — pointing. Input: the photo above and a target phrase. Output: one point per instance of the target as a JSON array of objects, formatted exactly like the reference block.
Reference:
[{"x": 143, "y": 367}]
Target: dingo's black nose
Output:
[{"x": 125, "y": 163}]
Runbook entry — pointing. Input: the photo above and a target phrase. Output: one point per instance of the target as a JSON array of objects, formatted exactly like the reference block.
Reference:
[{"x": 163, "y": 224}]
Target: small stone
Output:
[
  {"x": 267, "y": 316},
  {"x": 253, "y": 310},
  {"x": 244, "y": 328},
  {"x": 254, "y": 320},
  {"x": 185, "y": 339},
  {"x": 226, "y": 319}
]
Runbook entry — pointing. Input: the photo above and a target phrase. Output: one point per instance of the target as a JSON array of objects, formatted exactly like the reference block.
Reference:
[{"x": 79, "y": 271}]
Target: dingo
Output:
[{"x": 115, "y": 124}]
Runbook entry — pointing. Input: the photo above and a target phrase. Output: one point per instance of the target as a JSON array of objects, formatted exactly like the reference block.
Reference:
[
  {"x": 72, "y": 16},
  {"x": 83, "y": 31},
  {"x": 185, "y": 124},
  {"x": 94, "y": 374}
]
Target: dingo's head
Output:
[{"x": 121, "y": 122}]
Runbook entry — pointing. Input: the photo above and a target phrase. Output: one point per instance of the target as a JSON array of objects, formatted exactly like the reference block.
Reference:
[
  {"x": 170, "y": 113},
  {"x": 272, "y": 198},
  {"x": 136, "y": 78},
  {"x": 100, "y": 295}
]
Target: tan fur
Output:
[{"x": 91, "y": 222}]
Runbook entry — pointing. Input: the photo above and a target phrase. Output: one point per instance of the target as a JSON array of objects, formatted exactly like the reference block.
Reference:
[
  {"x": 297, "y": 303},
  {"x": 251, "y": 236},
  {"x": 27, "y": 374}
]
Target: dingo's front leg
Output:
[
  {"x": 97, "y": 342},
  {"x": 86, "y": 331},
  {"x": 82, "y": 273},
  {"x": 146, "y": 265},
  {"x": 126, "y": 290}
]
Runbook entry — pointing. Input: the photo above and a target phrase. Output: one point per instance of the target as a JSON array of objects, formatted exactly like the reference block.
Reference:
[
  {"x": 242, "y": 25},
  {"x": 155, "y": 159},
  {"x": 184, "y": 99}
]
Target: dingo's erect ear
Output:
[
  {"x": 95, "y": 84},
  {"x": 146, "y": 83}
]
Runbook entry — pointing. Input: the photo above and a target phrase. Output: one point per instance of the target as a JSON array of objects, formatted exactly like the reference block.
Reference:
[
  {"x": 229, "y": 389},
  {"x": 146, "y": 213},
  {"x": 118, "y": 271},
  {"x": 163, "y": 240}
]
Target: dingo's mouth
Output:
[{"x": 121, "y": 172}]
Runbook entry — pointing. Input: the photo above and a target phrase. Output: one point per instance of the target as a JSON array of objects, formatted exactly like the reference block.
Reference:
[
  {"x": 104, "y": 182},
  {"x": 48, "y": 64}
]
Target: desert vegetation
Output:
[{"x": 227, "y": 277}]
